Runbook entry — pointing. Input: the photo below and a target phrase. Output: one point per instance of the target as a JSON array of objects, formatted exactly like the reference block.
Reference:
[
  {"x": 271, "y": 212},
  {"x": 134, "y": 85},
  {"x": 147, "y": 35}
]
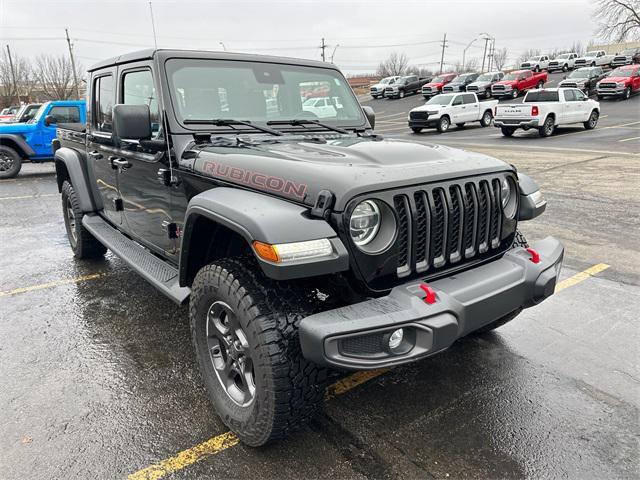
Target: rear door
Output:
[
  {"x": 569, "y": 109},
  {"x": 471, "y": 108},
  {"x": 100, "y": 145},
  {"x": 146, "y": 198},
  {"x": 582, "y": 107}
]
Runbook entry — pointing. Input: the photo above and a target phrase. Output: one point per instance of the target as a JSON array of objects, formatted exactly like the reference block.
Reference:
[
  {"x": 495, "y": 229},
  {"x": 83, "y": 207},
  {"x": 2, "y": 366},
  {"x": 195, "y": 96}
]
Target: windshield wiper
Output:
[
  {"x": 303, "y": 122},
  {"x": 222, "y": 122}
]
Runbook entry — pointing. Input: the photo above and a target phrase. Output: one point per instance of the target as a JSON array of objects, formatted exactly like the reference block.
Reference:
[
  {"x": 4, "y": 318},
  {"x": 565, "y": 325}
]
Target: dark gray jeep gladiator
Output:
[{"x": 306, "y": 244}]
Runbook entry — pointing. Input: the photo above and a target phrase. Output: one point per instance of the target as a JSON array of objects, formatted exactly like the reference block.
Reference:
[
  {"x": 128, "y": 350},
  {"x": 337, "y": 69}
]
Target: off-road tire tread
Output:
[
  {"x": 520, "y": 240},
  {"x": 87, "y": 246},
  {"x": 17, "y": 163},
  {"x": 276, "y": 309}
]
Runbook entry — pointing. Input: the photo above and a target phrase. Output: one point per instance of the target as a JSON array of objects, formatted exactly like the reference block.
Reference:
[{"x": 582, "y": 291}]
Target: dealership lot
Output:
[{"x": 99, "y": 381}]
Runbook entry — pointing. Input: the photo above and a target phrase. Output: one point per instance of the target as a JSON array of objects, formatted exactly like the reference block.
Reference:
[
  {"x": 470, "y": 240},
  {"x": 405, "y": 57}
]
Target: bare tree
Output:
[
  {"x": 619, "y": 20},
  {"x": 55, "y": 76},
  {"x": 25, "y": 79},
  {"x": 395, "y": 64},
  {"x": 421, "y": 72},
  {"x": 500, "y": 58},
  {"x": 527, "y": 54}
]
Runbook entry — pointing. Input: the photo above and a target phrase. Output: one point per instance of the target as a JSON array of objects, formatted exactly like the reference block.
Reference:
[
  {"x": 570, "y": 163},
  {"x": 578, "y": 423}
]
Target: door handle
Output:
[
  {"x": 96, "y": 155},
  {"x": 118, "y": 162}
]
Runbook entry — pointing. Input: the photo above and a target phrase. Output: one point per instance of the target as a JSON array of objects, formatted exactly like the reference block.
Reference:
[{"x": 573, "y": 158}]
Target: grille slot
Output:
[
  {"x": 404, "y": 234},
  {"x": 418, "y": 115},
  {"x": 456, "y": 224},
  {"x": 423, "y": 231}
]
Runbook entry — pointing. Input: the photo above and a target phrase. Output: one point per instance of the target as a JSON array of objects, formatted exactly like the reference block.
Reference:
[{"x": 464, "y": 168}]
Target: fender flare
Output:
[
  {"x": 19, "y": 141},
  {"x": 256, "y": 216},
  {"x": 73, "y": 165}
]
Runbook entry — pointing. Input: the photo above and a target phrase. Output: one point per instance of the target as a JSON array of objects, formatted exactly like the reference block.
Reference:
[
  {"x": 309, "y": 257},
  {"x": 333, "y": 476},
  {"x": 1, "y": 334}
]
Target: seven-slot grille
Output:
[
  {"x": 498, "y": 87},
  {"x": 608, "y": 85},
  {"x": 418, "y": 115},
  {"x": 447, "y": 88},
  {"x": 553, "y": 64},
  {"x": 472, "y": 88},
  {"x": 445, "y": 225},
  {"x": 581, "y": 62}
]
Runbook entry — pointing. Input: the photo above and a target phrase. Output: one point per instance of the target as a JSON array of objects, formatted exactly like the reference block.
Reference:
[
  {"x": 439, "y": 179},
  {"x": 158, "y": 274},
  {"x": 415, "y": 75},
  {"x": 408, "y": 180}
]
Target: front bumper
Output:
[
  {"x": 355, "y": 337},
  {"x": 424, "y": 123},
  {"x": 533, "y": 123},
  {"x": 611, "y": 92}
]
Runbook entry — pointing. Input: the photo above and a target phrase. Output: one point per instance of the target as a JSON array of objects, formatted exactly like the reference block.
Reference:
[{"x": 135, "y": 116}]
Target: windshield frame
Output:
[
  {"x": 616, "y": 72},
  {"x": 176, "y": 124},
  {"x": 573, "y": 74},
  {"x": 441, "y": 96}
]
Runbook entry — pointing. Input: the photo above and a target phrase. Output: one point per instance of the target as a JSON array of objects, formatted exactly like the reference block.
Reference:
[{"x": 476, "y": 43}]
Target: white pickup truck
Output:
[
  {"x": 564, "y": 62},
  {"x": 445, "y": 109},
  {"x": 545, "y": 109},
  {"x": 595, "y": 58},
  {"x": 537, "y": 64}
]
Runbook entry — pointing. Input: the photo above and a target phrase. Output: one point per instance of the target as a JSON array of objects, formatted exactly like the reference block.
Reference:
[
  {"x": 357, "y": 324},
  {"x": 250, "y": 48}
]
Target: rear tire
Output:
[
  {"x": 416, "y": 129},
  {"x": 548, "y": 127},
  {"x": 259, "y": 382},
  {"x": 10, "y": 162},
  {"x": 593, "y": 120},
  {"x": 540, "y": 85},
  {"x": 486, "y": 119},
  {"x": 507, "y": 131},
  {"x": 83, "y": 244}
]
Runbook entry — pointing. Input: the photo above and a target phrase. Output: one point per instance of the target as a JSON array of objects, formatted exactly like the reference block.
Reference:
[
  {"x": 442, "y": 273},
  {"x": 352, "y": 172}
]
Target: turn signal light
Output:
[
  {"x": 534, "y": 110},
  {"x": 266, "y": 252}
]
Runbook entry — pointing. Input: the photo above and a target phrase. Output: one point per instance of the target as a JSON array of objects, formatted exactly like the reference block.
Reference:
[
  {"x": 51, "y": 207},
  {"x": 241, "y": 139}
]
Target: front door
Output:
[
  {"x": 100, "y": 145},
  {"x": 146, "y": 197}
]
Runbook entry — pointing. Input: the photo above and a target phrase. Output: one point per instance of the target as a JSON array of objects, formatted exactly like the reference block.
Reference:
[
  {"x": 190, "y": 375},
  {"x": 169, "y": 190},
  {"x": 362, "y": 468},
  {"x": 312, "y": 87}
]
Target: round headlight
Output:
[
  {"x": 508, "y": 197},
  {"x": 364, "y": 223}
]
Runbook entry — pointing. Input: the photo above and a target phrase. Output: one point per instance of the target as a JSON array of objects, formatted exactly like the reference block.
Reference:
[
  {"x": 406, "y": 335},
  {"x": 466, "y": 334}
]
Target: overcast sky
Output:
[{"x": 366, "y": 31}]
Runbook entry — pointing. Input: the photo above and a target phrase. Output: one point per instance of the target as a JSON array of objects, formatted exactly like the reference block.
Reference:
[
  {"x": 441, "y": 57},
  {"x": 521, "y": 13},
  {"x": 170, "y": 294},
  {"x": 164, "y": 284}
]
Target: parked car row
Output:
[{"x": 570, "y": 60}]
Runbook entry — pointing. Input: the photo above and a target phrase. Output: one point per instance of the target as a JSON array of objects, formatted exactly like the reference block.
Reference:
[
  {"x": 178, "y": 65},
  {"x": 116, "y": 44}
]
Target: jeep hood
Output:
[
  {"x": 16, "y": 128},
  {"x": 347, "y": 166}
]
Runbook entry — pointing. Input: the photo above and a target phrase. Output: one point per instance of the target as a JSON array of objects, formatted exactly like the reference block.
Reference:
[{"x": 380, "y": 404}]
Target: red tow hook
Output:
[
  {"x": 535, "y": 256},
  {"x": 430, "y": 294}
]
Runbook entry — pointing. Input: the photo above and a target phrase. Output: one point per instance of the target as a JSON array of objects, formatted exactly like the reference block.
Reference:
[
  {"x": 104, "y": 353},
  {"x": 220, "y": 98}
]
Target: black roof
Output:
[{"x": 173, "y": 53}]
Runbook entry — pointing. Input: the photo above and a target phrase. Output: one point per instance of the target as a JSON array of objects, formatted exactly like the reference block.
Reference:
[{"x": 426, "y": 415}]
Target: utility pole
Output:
[
  {"x": 13, "y": 74},
  {"x": 444, "y": 45},
  {"x": 493, "y": 52},
  {"x": 323, "y": 46},
  {"x": 484, "y": 55},
  {"x": 73, "y": 64}
]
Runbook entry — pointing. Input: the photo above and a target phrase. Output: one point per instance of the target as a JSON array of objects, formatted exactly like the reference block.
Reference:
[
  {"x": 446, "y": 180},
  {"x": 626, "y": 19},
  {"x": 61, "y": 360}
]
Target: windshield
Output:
[
  {"x": 485, "y": 77},
  {"x": 461, "y": 78},
  {"x": 564, "y": 55},
  {"x": 579, "y": 74},
  {"x": 591, "y": 54},
  {"x": 387, "y": 80},
  {"x": 438, "y": 80},
  {"x": 259, "y": 92},
  {"x": 621, "y": 72},
  {"x": 38, "y": 114},
  {"x": 440, "y": 100},
  {"x": 541, "y": 96},
  {"x": 511, "y": 76}
]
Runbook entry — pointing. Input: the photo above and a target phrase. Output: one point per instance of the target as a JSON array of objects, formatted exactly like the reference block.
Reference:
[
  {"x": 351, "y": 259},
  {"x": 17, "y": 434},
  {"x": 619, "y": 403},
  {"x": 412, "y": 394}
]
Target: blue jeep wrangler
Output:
[{"x": 31, "y": 141}]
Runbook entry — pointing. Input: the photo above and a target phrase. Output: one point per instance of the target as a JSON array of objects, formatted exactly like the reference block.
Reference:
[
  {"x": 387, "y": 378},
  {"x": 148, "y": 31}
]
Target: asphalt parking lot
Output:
[{"x": 98, "y": 379}]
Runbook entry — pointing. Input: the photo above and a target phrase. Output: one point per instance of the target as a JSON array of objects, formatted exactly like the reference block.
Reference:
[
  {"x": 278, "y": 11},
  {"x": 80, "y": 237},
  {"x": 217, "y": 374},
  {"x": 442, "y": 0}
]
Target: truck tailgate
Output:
[{"x": 513, "y": 111}]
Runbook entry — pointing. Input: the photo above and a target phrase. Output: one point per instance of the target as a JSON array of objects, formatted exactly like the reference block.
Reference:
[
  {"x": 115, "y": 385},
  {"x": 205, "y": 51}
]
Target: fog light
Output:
[{"x": 396, "y": 339}]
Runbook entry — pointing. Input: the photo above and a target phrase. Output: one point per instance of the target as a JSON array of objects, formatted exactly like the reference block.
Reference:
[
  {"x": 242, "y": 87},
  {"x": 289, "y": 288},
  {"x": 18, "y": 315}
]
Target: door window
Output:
[
  {"x": 104, "y": 100},
  {"x": 468, "y": 98},
  {"x": 457, "y": 101},
  {"x": 65, "y": 114},
  {"x": 569, "y": 96},
  {"x": 138, "y": 89},
  {"x": 579, "y": 95}
]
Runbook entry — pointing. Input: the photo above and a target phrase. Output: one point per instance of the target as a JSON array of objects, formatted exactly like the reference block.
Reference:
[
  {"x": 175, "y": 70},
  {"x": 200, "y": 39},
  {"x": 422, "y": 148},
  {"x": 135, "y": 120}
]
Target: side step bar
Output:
[{"x": 157, "y": 272}]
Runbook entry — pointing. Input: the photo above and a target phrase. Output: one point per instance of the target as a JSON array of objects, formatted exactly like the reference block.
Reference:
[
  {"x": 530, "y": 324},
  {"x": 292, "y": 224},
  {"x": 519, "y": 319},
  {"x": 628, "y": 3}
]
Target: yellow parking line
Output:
[
  {"x": 42, "y": 286},
  {"x": 352, "y": 381},
  {"x": 22, "y": 197},
  {"x": 580, "y": 277}
]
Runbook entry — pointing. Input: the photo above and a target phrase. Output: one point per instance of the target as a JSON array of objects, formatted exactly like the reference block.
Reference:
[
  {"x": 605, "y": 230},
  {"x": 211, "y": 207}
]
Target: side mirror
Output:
[
  {"x": 49, "y": 120},
  {"x": 371, "y": 115},
  {"x": 585, "y": 98},
  {"x": 131, "y": 122}
]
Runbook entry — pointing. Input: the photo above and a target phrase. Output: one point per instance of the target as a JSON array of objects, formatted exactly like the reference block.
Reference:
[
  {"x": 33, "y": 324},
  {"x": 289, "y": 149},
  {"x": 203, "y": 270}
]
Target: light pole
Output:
[
  {"x": 464, "y": 52},
  {"x": 334, "y": 51},
  {"x": 487, "y": 37}
]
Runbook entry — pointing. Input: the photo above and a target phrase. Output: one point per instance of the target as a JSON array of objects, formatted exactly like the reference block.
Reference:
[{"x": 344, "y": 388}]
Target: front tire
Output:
[
  {"x": 401, "y": 94},
  {"x": 10, "y": 162},
  {"x": 259, "y": 382},
  {"x": 416, "y": 129},
  {"x": 593, "y": 120},
  {"x": 443, "y": 124},
  {"x": 83, "y": 244},
  {"x": 565, "y": 67},
  {"x": 627, "y": 93},
  {"x": 515, "y": 93},
  {"x": 547, "y": 128}
]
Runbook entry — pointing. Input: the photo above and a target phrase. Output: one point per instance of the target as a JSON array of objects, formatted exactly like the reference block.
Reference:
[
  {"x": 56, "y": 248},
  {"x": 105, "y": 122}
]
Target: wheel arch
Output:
[
  {"x": 69, "y": 167},
  {"x": 17, "y": 143},
  {"x": 226, "y": 221}
]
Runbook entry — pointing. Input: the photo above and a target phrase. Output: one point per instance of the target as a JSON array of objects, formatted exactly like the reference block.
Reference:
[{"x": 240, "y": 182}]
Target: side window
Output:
[
  {"x": 68, "y": 114},
  {"x": 138, "y": 89},
  {"x": 569, "y": 96},
  {"x": 579, "y": 95},
  {"x": 103, "y": 104},
  {"x": 468, "y": 98},
  {"x": 457, "y": 101}
]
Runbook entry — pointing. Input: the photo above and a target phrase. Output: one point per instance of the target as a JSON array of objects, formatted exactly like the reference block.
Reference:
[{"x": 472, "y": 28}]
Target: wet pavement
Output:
[{"x": 98, "y": 379}]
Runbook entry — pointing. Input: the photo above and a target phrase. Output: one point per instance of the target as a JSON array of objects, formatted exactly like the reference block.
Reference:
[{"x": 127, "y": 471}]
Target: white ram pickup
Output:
[
  {"x": 537, "y": 64},
  {"x": 564, "y": 62},
  {"x": 595, "y": 58},
  {"x": 547, "y": 108},
  {"x": 451, "y": 108}
]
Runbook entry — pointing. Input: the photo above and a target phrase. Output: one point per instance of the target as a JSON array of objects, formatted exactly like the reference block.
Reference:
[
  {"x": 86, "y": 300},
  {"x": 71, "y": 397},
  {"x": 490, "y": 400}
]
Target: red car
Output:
[
  {"x": 517, "y": 82},
  {"x": 434, "y": 87},
  {"x": 621, "y": 82}
]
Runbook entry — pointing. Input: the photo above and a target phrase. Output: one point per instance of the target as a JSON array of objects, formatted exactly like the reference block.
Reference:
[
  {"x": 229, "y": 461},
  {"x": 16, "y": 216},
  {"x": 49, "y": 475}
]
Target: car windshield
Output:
[
  {"x": 38, "y": 114},
  {"x": 541, "y": 96},
  {"x": 384, "y": 81},
  {"x": 460, "y": 78},
  {"x": 485, "y": 77},
  {"x": 579, "y": 74},
  {"x": 591, "y": 54},
  {"x": 438, "y": 80},
  {"x": 564, "y": 55},
  {"x": 440, "y": 100},
  {"x": 511, "y": 76},
  {"x": 259, "y": 92},
  {"x": 621, "y": 72}
]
